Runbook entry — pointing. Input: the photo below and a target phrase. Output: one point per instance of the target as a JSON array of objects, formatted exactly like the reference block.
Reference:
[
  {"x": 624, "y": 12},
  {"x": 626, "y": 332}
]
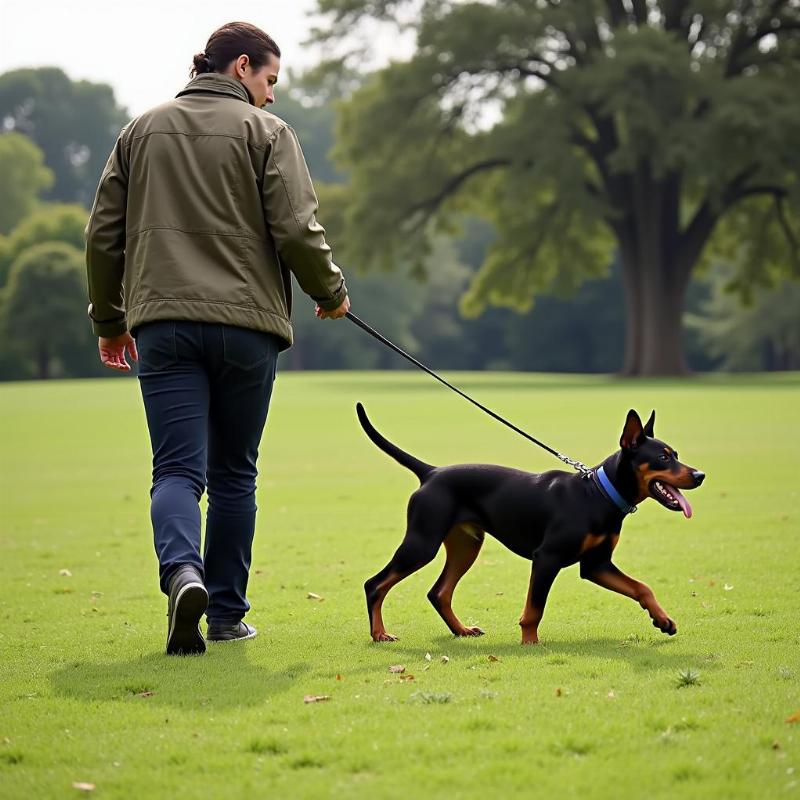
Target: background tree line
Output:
[{"x": 517, "y": 195}]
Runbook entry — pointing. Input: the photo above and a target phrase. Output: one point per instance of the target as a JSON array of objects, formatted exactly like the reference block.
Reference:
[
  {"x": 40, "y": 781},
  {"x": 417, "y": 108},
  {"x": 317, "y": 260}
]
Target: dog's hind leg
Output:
[
  {"x": 462, "y": 543},
  {"x": 414, "y": 552}
]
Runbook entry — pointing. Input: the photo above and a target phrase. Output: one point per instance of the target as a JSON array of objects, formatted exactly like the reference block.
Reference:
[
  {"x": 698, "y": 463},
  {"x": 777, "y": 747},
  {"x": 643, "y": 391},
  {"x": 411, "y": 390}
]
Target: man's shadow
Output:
[{"x": 222, "y": 678}]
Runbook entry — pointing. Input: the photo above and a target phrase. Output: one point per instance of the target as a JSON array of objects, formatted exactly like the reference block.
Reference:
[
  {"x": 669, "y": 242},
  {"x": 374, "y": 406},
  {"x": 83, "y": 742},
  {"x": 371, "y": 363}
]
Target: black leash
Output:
[{"x": 372, "y": 332}]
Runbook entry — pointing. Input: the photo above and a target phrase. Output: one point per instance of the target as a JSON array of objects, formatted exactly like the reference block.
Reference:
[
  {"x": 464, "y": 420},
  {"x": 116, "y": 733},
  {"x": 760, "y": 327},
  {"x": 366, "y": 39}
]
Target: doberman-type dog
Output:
[{"x": 553, "y": 518}]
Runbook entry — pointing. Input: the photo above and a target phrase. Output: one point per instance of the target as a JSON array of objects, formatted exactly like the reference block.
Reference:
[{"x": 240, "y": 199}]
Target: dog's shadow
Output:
[
  {"x": 222, "y": 678},
  {"x": 638, "y": 652}
]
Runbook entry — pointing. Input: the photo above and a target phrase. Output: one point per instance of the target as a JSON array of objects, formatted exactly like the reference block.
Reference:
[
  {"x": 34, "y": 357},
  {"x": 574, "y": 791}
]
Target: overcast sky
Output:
[{"x": 143, "y": 48}]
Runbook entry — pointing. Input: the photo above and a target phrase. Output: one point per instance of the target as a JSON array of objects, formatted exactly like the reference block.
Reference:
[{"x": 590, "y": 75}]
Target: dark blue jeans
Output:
[{"x": 206, "y": 390}]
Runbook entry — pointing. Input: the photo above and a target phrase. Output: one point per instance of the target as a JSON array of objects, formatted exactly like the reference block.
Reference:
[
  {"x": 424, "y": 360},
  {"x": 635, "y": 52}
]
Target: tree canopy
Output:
[
  {"x": 44, "y": 301},
  {"x": 75, "y": 123},
  {"x": 51, "y": 222},
  {"x": 23, "y": 177},
  {"x": 580, "y": 129}
]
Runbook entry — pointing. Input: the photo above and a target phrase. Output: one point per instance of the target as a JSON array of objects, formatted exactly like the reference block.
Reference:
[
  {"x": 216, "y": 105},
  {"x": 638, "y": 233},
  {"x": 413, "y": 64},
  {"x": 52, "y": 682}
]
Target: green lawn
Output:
[{"x": 595, "y": 710}]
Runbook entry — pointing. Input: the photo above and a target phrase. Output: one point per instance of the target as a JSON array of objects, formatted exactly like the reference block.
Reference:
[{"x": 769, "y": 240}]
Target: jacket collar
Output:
[{"x": 216, "y": 83}]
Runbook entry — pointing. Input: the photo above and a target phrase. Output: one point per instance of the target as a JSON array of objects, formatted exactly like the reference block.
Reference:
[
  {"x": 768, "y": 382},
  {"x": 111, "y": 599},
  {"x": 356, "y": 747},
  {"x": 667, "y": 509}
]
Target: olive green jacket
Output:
[{"x": 203, "y": 210}]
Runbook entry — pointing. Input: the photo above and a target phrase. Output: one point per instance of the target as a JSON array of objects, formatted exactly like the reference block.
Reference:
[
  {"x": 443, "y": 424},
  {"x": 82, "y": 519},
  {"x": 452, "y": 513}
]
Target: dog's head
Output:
[{"x": 655, "y": 465}]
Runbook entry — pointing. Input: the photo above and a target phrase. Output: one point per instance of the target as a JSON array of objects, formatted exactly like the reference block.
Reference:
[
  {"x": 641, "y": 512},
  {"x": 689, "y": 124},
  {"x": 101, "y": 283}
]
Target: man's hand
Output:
[
  {"x": 336, "y": 313},
  {"x": 112, "y": 351}
]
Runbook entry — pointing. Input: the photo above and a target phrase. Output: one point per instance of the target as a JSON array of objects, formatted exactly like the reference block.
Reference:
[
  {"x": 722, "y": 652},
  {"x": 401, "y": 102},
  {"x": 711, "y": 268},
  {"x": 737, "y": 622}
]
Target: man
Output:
[{"x": 204, "y": 208}]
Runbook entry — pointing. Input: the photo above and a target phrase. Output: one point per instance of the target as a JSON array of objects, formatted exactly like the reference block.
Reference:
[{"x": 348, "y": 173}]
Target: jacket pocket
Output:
[
  {"x": 247, "y": 349},
  {"x": 155, "y": 342}
]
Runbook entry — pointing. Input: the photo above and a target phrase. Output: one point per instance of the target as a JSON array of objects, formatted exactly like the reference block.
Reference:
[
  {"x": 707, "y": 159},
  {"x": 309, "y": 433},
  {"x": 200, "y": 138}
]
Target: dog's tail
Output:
[{"x": 419, "y": 468}]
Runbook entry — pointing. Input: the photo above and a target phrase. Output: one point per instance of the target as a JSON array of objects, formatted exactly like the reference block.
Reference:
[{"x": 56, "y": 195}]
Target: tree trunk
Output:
[
  {"x": 655, "y": 268},
  {"x": 43, "y": 363},
  {"x": 654, "y": 302}
]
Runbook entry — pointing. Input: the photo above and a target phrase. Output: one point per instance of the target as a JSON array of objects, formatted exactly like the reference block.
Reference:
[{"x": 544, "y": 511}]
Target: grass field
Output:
[{"x": 597, "y": 710}]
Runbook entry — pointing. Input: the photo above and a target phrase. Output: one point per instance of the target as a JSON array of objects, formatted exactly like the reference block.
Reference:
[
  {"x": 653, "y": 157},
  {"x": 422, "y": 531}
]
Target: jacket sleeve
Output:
[
  {"x": 105, "y": 246},
  {"x": 290, "y": 208}
]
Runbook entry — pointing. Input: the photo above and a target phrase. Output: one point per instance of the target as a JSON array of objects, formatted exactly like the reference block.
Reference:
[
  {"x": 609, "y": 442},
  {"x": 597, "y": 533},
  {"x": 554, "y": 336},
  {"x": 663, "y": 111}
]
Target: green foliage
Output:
[
  {"x": 313, "y": 124},
  {"x": 43, "y": 304},
  {"x": 49, "y": 223},
  {"x": 75, "y": 123},
  {"x": 687, "y": 677},
  {"x": 579, "y": 130},
  {"x": 23, "y": 176},
  {"x": 763, "y": 333}
]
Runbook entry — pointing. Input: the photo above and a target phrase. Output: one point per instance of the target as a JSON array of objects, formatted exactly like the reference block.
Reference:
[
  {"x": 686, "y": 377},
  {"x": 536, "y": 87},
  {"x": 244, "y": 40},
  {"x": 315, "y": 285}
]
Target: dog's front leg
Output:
[
  {"x": 543, "y": 572},
  {"x": 610, "y": 577}
]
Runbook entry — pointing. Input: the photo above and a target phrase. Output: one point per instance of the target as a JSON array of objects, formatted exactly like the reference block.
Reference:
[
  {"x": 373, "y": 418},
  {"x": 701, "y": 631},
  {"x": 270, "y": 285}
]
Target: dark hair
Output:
[{"x": 231, "y": 41}]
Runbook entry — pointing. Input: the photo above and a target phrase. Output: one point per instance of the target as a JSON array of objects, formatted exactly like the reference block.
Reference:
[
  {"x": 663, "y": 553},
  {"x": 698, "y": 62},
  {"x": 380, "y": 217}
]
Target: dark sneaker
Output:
[
  {"x": 230, "y": 631},
  {"x": 188, "y": 600}
]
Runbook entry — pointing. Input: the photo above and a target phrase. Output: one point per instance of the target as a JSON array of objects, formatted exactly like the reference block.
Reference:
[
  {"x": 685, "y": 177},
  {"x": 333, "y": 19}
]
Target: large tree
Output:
[
  {"x": 42, "y": 312},
  {"x": 23, "y": 176},
  {"x": 51, "y": 222},
  {"x": 582, "y": 129},
  {"x": 75, "y": 123}
]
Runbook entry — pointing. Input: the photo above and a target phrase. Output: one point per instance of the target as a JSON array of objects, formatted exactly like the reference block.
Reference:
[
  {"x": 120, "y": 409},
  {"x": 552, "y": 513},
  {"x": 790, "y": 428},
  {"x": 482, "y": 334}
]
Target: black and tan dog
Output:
[{"x": 553, "y": 518}]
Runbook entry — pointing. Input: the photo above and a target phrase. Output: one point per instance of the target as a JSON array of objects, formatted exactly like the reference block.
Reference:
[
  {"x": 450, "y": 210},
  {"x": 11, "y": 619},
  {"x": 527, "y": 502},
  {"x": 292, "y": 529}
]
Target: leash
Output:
[{"x": 578, "y": 465}]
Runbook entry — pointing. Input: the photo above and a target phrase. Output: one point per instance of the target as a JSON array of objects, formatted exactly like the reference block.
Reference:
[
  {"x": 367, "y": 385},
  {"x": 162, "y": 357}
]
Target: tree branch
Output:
[
  {"x": 640, "y": 12},
  {"x": 616, "y": 10},
  {"x": 674, "y": 14},
  {"x": 745, "y": 41},
  {"x": 780, "y": 212},
  {"x": 430, "y": 204}
]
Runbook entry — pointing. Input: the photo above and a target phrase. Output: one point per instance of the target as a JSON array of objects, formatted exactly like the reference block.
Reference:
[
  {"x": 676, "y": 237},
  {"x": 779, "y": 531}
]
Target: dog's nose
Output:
[{"x": 699, "y": 477}]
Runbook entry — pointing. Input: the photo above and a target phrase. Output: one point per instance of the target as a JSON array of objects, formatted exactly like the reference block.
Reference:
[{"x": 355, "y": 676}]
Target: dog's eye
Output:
[{"x": 663, "y": 457}]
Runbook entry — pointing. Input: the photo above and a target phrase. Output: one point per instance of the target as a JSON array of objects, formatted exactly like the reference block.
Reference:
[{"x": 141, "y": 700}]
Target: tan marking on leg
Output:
[
  {"x": 462, "y": 543},
  {"x": 530, "y": 618},
  {"x": 377, "y": 628}
]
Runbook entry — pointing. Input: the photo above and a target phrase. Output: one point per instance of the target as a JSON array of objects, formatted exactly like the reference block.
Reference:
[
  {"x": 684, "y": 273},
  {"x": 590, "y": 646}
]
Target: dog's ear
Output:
[
  {"x": 632, "y": 433},
  {"x": 648, "y": 426}
]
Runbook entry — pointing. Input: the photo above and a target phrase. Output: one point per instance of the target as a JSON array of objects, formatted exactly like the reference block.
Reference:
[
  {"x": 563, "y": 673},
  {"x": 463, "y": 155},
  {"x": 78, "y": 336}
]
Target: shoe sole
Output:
[
  {"x": 233, "y": 639},
  {"x": 184, "y": 637}
]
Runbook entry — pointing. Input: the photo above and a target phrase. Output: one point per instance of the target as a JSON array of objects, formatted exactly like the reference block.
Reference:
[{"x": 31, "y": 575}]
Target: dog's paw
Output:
[
  {"x": 470, "y": 632},
  {"x": 666, "y": 625},
  {"x": 383, "y": 637}
]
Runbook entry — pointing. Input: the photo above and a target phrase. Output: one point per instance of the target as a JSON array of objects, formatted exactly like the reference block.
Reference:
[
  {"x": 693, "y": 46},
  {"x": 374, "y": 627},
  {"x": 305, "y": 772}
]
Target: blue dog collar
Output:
[{"x": 611, "y": 493}]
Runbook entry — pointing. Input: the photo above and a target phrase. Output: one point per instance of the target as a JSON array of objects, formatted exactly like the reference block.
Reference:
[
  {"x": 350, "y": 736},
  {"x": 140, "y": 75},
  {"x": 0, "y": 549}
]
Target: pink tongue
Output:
[{"x": 685, "y": 507}]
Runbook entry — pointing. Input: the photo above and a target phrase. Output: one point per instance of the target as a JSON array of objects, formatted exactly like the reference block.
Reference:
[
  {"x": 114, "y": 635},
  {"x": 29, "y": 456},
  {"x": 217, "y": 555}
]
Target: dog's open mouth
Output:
[{"x": 670, "y": 497}]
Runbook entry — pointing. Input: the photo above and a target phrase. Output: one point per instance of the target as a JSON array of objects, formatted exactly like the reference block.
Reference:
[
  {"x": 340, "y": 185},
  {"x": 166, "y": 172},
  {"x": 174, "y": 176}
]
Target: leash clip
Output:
[{"x": 577, "y": 465}]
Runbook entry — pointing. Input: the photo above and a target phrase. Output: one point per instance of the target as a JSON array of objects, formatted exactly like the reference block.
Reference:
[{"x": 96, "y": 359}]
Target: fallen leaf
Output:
[
  {"x": 427, "y": 656},
  {"x": 397, "y": 668},
  {"x": 407, "y": 677},
  {"x": 65, "y": 573},
  {"x": 314, "y": 596},
  {"x": 316, "y": 698},
  {"x": 728, "y": 587},
  {"x": 558, "y": 692},
  {"x": 144, "y": 694},
  {"x": 339, "y": 677},
  {"x": 612, "y": 694},
  {"x": 794, "y": 717},
  {"x": 445, "y": 659},
  {"x": 84, "y": 787},
  {"x": 493, "y": 658},
  {"x": 776, "y": 745}
]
